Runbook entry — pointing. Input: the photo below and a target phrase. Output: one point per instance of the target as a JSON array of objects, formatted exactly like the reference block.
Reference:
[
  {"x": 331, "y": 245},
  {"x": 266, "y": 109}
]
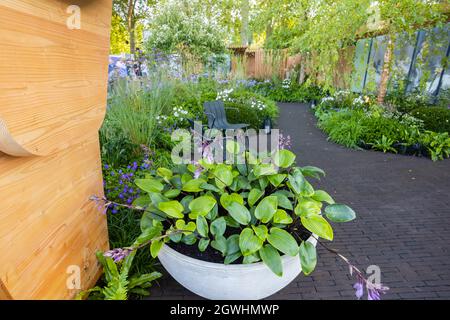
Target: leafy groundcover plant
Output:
[{"x": 256, "y": 211}]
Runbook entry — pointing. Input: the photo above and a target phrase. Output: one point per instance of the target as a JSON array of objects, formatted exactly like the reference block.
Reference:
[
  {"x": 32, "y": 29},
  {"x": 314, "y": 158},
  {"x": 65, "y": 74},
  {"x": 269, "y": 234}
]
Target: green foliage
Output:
[
  {"x": 434, "y": 118},
  {"x": 236, "y": 219},
  {"x": 384, "y": 144},
  {"x": 180, "y": 27},
  {"x": 437, "y": 144}
]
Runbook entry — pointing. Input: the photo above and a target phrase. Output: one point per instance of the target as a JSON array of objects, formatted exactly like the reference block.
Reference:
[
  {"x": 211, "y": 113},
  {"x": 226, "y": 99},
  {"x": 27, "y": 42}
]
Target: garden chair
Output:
[{"x": 217, "y": 118}]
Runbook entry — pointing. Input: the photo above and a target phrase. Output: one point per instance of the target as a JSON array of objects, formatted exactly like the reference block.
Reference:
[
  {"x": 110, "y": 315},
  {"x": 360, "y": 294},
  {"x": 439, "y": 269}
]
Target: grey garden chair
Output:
[{"x": 217, "y": 118}]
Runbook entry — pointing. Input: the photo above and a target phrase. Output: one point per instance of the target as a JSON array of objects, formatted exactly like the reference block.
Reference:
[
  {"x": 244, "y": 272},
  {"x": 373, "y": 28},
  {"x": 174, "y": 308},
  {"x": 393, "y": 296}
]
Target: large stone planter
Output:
[{"x": 228, "y": 282}]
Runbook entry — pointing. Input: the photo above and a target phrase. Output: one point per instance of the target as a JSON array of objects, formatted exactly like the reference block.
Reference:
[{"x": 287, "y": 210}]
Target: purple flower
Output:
[
  {"x": 359, "y": 287},
  {"x": 106, "y": 166},
  {"x": 117, "y": 254}
]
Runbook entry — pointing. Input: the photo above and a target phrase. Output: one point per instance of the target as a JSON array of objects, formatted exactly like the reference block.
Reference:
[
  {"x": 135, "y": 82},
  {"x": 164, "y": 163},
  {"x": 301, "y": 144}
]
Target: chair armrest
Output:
[{"x": 214, "y": 117}]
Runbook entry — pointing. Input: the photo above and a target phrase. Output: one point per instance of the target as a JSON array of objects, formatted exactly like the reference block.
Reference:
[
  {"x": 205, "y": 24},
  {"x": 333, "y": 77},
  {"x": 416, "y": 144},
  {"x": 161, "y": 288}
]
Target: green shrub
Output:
[
  {"x": 435, "y": 118},
  {"x": 377, "y": 127},
  {"x": 343, "y": 127}
]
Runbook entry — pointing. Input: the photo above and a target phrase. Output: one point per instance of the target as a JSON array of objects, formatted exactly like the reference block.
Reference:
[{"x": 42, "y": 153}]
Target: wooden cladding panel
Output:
[{"x": 53, "y": 84}]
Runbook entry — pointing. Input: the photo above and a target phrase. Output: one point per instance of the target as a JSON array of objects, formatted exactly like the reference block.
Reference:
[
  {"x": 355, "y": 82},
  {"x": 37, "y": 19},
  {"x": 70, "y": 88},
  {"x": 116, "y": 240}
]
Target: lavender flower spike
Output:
[{"x": 118, "y": 254}]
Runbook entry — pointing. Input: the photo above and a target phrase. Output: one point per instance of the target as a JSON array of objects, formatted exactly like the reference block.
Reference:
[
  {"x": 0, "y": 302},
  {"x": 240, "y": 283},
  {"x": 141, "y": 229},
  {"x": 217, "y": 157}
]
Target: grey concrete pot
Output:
[{"x": 228, "y": 282}]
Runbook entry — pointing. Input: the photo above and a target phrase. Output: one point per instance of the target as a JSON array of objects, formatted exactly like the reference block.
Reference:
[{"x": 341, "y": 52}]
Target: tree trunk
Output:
[
  {"x": 131, "y": 24},
  {"x": 245, "y": 8},
  {"x": 386, "y": 70}
]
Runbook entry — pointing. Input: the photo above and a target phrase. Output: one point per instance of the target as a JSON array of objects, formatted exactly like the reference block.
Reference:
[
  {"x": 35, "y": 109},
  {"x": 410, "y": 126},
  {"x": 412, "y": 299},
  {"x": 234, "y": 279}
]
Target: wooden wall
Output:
[{"x": 53, "y": 86}]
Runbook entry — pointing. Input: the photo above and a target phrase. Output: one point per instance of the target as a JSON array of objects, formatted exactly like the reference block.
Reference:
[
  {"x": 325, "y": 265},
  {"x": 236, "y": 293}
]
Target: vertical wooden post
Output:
[{"x": 53, "y": 89}]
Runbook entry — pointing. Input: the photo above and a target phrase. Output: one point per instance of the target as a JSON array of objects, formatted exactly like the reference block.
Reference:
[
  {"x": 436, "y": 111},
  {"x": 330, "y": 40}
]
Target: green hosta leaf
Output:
[
  {"x": 313, "y": 172},
  {"x": 239, "y": 213},
  {"x": 202, "y": 226},
  {"x": 142, "y": 201},
  {"x": 254, "y": 195},
  {"x": 283, "y": 201},
  {"x": 318, "y": 225},
  {"x": 230, "y": 258},
  {"x": 189, "y": 228},
  {"x": 322, "y": 196},
  {"x": 231, "y": 222},
  {"x": 249, "y": 242},
  {"x": 264, "y": 169},
  {"x": 172, "y": 208},
  {"x": 308, "y": 207},
  {"x": 340, "y": 213},
  {"x": 282, "y": 217},
  {"x": 207, "y": 186},
  {"x": 226, "y": 199},
  {"x": 193, "y": 185},
  {"x": 220, "y": 244},
  {"x": 261, "y": 231},
  {"x": 189, "y": 239},
  {"x": 186, "y": 177},
  {"x": 201, "y": 206},
  {"x": 149, "y": 185},
  {"x": 233, "y": 244},
  {"x": 283, "y": 241},
  {"x": 277, "y": 179},
  {"x": 164, "y": 172},
  {"x": 272, "y": 259},
  {"x": 308, "y": 257},
  {"x": 298, "y": 184},
  {"x": 172, "y": 193},
  {"x": 185, "y": 202},
  {"x": 233, "y": 147},
  {"x": 266, "y": 208},
  {"x": 284, "y": 158},
  {"x": 155, "y": 247},
  {"x": 203, "y": 244},
  {"x": 218, "y": 227},
  {"x": 251, "y": 258},
  {"x": 263, "y": 182},
  {"x": 224, "y": 175}
]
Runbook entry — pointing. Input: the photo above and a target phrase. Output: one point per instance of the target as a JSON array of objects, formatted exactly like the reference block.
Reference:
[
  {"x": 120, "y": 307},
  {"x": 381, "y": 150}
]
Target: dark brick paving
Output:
[{"x": 403, "y": 224}]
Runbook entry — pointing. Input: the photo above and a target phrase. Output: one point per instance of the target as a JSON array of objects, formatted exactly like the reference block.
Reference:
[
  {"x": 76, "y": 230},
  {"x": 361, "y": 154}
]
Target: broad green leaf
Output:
[
  {"x": 193, "y": 185},
  {"x": 272, "y": 259},
  {"x": 149, "y": 185},
  {"x": 254, "y": 195},
  {"x": 340, "y": 213},
  {"x": 251, "y": 258},
  {"x": 308, "y": 207},
  {"x": 264, "y": 169},
  {"x": 233, "y": 147},
  {"x": 282, "y": 217},
  {"x": 249, "y": 242},
  {"x": 318, "y": 225},
  {"x": 283, "y": 201},
  {"x": 239, "y": 213},
  {"x": 201, "y": 206},
  {"x": 322, "y": 196},
  {"x": 155, "y": 247},
  {"x": 277, "y": 179},
  {"x": 189, "y": 228},
  {"x": 218, "y": 227},
  {"x": 220, "y": 244},
  {"x": 223, "y": 175},
  {"x": 172, "y": 208},
  {"x": 298, "y": 184},
  {"x": 308, "y": 257},
  {"x": 172, "y": 193},
  {"x": 185, "y": 202},
  {"x": 164, "y": 172},
  {"x": 266, "y": 208},
  {"x": 203, "y": 244},
  {"x": 189, "y": 239},
  {"x": 207, "y": 186},
  {"x": 284, "y": 158},
  {"x": 142, "y": 201},
  {"x": 231, "y": 222},
  {"x": 226, "y": 199},
  {"x": 233, "y": 244},
  {"x": 283, "y": 241},
  {"x": 314, "y": 172},
  {"x": 148, "y": 234},
  {"x": 231, "y": 257},
  {"x": 261, "y": 231},
  {"x": 202, "y": 226}
]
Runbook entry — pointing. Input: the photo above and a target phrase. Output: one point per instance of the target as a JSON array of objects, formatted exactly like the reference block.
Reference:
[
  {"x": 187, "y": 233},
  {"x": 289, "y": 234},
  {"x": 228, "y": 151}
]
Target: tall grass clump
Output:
[{"x": 131, "y": 117}]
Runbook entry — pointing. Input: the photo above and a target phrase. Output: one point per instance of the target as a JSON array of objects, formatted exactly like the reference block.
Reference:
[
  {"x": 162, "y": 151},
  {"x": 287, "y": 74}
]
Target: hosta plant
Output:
[{"x": 256, "y": 211}]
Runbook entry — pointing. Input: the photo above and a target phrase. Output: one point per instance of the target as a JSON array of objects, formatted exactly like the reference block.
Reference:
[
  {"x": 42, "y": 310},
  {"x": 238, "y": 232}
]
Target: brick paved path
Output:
[{"x": 403, "y": 219}]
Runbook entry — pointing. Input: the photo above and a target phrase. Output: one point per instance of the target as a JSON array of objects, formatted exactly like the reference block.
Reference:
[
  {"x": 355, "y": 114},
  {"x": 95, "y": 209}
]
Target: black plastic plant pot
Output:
[
  {"x": 364, "y": 145},
  {"x": 400, "y": 147}
]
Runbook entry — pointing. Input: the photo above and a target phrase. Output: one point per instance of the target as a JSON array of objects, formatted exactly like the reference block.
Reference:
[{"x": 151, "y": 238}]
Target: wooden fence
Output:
[{"x": 53, "y": 86}]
